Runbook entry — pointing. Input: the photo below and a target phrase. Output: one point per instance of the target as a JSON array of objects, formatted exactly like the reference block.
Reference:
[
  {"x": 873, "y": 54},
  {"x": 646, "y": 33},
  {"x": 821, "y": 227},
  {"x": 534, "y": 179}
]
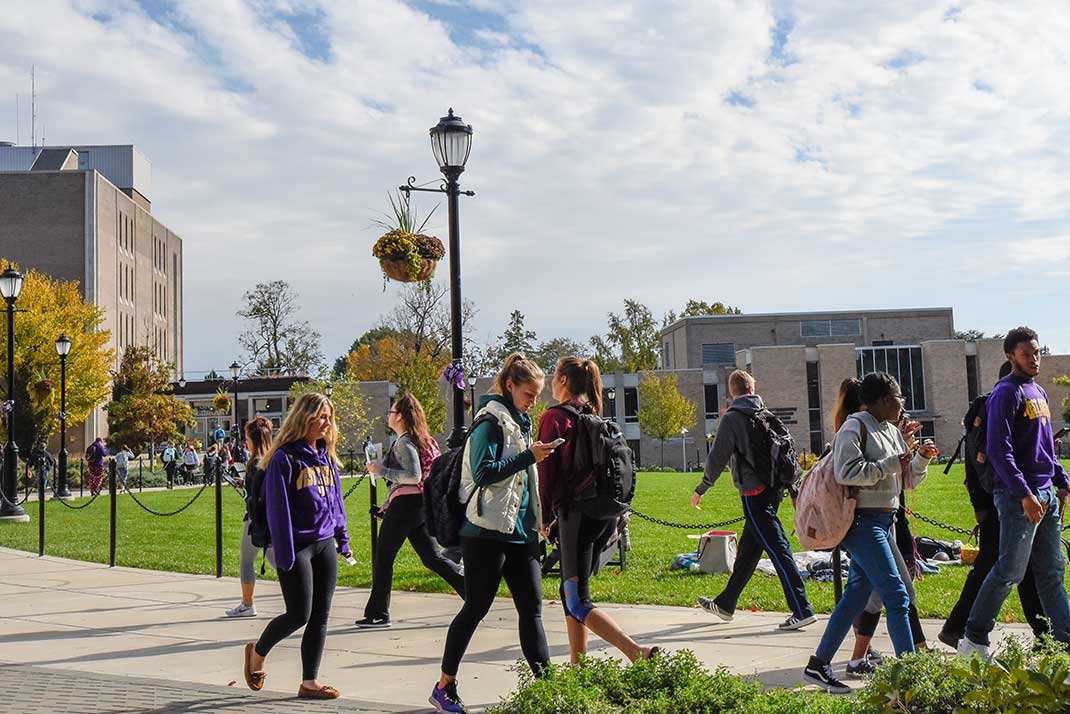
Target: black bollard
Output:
[
  {"x": 41, "y": 511},
  {"x": 140, "y": 475},
  {"x": 113, "y": 499},
  {"x": 81, "y": 479},
  {"x": 219, "y": 518}
]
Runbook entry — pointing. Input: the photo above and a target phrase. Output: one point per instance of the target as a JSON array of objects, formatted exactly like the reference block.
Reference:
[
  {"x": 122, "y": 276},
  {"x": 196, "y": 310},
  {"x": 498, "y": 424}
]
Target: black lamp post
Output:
[
  {"x": 328, "y": 389},
  {"x": 451, "y": 142},
  {"x": 63, "y": 348},
  {"x": 235, "y": 372},
  {"x": 10, "y": 287}
]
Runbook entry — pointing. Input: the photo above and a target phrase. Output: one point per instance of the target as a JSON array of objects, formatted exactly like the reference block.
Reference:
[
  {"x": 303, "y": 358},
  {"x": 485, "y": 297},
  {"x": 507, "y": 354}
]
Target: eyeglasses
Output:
[{"x": 393, "y": 411}]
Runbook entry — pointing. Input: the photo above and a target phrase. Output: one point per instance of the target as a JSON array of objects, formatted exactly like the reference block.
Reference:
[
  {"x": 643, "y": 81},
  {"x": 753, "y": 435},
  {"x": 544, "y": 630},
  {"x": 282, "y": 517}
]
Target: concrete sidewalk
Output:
[{"x": 64, "y": 620}]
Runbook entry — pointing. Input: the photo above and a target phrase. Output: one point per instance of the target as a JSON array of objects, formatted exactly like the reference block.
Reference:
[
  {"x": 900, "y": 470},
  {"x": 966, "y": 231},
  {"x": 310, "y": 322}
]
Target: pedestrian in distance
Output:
[
  {"x": 94, "y": 459},
  {"x": 864, "y": 659},
  {"x": 979, "y": 486},
  {"x": 577, "y": 387},
  {"x": 122, "y": 464},
  {"x": 258, "y": 439},
  {"x": 871, "y": 454},
  {"x": 190, "y": 460},
  {"x": 404, "y": 468},
  {"x": 307, "y": 521},
  {"x": 169, "y": 457},
  {"x": 219, "y": 434},
  {"x": 762, "y": 531},
  {"x": 211, "y": 461},
  {"x": 503, "y": 518},
  {"x": 1030, "y": 492}
]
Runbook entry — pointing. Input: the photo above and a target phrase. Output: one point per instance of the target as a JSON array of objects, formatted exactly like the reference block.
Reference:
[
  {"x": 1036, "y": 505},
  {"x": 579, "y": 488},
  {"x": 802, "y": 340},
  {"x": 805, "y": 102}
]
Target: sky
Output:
[{"x": 778, "y": 156}]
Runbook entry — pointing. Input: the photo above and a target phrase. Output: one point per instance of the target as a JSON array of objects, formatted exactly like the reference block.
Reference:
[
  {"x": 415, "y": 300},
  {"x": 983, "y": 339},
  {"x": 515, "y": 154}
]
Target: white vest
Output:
[{"x": 500, "y": 502}]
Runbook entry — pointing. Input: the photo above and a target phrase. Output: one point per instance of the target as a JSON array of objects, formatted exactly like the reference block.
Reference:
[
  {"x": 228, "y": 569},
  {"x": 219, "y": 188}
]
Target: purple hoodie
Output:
[
  {"x": 305, "y": 507},
  {"x": 1019, "y": 439}
]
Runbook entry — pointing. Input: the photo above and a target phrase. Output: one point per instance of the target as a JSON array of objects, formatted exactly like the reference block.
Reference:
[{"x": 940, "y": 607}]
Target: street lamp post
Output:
[
  {"x": 63, "y": 348},
  {"x": 328, "y": 390},
  {"x": 235, "y": 372},
  {"x": 10, "y": 287},
  {"x": 683, "y": 448},
  {"x": 451, "y": 142}
]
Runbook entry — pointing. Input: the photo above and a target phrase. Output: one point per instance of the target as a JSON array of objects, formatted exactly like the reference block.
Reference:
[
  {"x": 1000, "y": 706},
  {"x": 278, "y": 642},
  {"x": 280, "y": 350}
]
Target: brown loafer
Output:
[
  {"x": 324, "y": 692},
  {"x": 255, "y": 680}
]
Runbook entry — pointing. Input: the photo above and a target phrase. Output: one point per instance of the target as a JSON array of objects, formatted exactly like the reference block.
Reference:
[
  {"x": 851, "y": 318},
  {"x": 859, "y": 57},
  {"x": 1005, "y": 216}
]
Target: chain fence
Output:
[
  {"x": 87, "y": 504},
  {"x": 169, "y": 513}
]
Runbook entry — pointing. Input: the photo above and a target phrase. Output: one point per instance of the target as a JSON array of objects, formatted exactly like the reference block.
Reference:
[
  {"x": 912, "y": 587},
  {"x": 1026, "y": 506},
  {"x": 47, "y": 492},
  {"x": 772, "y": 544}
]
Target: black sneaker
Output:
[
  {"x": 874, "y": 656},
  {"x": 864, "y": 668},
  {"x": 820, "y": 673},
  {"x": 949, "y": 638},
  {"x": 368, "y": 623}
]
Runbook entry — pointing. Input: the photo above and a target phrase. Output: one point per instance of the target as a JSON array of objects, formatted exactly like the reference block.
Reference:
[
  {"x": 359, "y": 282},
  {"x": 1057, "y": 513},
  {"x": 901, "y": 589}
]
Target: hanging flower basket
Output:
[{"x": 408, "y": 257}]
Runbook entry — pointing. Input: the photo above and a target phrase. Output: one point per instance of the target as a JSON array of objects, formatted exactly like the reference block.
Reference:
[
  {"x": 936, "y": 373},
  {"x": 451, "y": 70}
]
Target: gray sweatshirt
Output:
[
  {"x": 877, "y": 474},
  {"x": 731, "y": 447},
  {"x": 401, "y": 466}
]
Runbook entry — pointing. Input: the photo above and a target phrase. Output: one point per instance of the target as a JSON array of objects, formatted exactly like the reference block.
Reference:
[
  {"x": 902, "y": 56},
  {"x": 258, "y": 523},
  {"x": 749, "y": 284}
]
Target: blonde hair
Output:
[
  {"x": 740, "y": 382},
  {"x": 520, "y": 369},
  {"x": 302, "y": 413}
]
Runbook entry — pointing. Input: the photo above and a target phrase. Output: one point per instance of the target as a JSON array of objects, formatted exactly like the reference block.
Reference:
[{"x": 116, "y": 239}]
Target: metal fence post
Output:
[
  {"x": 41, "y": 510},
  {"x": 113, "y": 499},
  {"x": 141, "y": 475},
  {"x": 219, "y": 518},
  {"x": 81, "y": 478}
]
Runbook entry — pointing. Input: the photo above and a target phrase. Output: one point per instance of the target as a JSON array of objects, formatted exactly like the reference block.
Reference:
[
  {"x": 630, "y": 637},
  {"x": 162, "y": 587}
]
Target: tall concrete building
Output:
[{"x": 84, "y": 213}]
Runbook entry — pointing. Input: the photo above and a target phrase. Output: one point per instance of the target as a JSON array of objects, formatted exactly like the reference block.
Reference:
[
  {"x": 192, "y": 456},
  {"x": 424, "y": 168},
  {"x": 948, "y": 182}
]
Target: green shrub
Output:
[{"x": 922, "y": 683}]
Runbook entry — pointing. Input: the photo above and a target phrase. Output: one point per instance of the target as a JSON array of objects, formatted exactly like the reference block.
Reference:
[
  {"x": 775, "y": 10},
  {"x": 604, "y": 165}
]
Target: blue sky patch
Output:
[
  {"x": 310, "y": 29},
  {"x": 904, "y": 59},
  {"x": 982, "y": 86},
  {"x": 780, "y": 32},
  {"x": 739, "y": 99},
  {"x": 470, "y": 26}
]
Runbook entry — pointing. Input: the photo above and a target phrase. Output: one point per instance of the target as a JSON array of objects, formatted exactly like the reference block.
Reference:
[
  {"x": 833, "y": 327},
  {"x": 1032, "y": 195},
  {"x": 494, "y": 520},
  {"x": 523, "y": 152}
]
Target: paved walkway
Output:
[{"x": 93, "y": 639}]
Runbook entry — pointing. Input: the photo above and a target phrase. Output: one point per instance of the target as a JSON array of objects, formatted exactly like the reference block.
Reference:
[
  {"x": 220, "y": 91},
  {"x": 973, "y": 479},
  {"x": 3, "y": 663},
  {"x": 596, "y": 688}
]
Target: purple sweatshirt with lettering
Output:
[
  {"x": 1021, "y": 449},
  {"x": 303, "y": 496}
]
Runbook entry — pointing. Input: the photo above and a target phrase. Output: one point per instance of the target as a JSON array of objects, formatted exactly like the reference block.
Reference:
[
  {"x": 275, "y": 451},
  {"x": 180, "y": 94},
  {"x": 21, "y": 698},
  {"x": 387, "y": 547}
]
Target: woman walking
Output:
[
  {"x": 94, "y": 458},
  {"x": 577, "y": 387},
  {"x": 306, "y": 518},
  {"x": 258, "y": 439},
  {"x": 503, "y": 515},
  {"x": 190, "y": 460},
  {"x": 870, "y": 453},
  {"x": 404, "y": 468}
]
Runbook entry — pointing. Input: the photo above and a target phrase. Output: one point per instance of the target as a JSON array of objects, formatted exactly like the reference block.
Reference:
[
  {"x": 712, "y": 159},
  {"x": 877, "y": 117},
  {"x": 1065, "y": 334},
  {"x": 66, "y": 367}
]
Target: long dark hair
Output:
[
  {"x": 412, "y": 414},
  {"x": 848, "y": 401},
  {"x": 258, "y": 434},
  {"x": 582, "y": 379}
]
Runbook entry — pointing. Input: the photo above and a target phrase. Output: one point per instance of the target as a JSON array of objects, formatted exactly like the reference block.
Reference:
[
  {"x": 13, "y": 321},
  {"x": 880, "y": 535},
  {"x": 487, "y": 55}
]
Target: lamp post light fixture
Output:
[
  {"x": 328, "y": 389},
  {"x": 63, "y": 348},
  {"x": 683, "y": 448},
  {"x": 451, "y": 143},
  {"x": 235, "y": 372},
  {"x": 10, "y": 287},
  {"x": 182, "y": 382}
]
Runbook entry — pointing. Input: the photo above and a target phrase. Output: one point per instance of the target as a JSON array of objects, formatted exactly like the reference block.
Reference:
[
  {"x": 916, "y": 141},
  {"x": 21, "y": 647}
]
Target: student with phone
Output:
[
  {"x": 307, "y": 520},
  {"x": 577, "y": 384},
  {"x": 405, "y": 467}
]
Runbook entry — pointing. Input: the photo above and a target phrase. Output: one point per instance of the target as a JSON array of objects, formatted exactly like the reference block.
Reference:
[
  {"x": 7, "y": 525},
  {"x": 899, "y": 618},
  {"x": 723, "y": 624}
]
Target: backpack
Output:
[
  {"x": 825, "y": 508},
  {"x": 443, "y": 508},
  {"x": 256, "y": 504},
  {"x": 975, "y": 440},
  {"x": 602, "y": 474},
  {"x": 772, "y": 450}
]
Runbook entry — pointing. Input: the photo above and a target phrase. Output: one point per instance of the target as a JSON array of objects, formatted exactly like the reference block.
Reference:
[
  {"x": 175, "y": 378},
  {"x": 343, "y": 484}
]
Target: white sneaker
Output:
[
  {"x": 797, "y": 623},
  {"x": 242, "y": 610},
  {"x": 968, "y": 648}
]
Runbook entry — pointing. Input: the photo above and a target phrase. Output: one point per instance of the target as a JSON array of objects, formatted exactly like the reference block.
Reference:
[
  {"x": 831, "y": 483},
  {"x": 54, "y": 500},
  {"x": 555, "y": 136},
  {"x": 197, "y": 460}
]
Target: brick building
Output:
[{"x": 83, "y": 213}]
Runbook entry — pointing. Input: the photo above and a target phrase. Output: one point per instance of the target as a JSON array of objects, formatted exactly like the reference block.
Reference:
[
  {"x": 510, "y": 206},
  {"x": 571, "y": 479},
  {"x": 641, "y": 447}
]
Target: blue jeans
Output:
[
  {"x": 1023, "y": 544},
  {"x": 873, "y": 567}
]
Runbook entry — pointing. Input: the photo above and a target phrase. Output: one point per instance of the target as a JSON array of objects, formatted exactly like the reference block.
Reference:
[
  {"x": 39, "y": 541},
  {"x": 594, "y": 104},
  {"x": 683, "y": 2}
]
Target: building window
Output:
[
  {"x": 813, "y": 399},
  {"x": 882, "y": 343},
  {"x": 665, "y": 361},
  {"x": 631, "y": 405},
  {"x": 903, "y": 363},
  {"x": 928, "y": 430},
  {"x": 972, "y": 380},
  {"x": 719, "y": 353},
  {"x": 830, "y": 328},
  {"x": 713, "y": 401}
]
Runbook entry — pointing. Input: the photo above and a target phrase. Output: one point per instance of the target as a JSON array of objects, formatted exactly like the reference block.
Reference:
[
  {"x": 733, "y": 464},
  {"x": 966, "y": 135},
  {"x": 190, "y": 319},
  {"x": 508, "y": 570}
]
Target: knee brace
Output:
[{"x": 574, "y": 605}]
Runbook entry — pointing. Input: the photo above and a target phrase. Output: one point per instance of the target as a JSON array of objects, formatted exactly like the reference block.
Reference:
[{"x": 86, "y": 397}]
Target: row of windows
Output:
[
  {"x": 830, "y": 328},
  {"x": 159, "y": 299},
  {"x": 124, "y": 229},
  {"x": 126, "y": 282},
  {"x": 903, "y": 363},
  {"x": 159, "y": 255}
]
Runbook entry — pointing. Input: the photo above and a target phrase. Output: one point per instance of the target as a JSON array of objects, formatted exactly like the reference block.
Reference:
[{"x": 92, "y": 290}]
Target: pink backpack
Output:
[{"x": 824, "y": 508}]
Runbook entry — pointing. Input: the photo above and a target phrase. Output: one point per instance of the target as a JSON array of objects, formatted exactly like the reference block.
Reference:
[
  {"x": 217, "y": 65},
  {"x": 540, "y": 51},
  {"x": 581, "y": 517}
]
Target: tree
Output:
[
  {"x": 276, "y": 340},
  {"x": 632, "y": 341},
  {"x": 974, "y": 335},
  {"x": 419, "y": 375},
  {"x": 422, "y": 317},
  {"x": 700, "y": 308},
  {"x": 1064, "y": 381},
  {"x": 49, "y": 308},
  {"x": 418, "y": 372},
  {"x": 663, "y": 412},
  {"x": 550, "y": 351},
  {"x": 143, "y": 410},
  {"x": 370, "y": 337},
  {"x": 350, "y": 410},
  {"x": 516, "y": 338}
]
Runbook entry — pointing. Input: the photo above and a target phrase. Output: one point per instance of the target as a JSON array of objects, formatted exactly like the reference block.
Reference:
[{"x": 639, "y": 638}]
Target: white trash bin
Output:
[{"x": 717, "y": 551}]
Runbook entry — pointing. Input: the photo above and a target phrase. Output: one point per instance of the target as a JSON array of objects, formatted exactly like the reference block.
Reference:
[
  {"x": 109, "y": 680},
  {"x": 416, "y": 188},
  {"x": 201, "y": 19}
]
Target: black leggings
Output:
[
  {"x": 307, "y": 589},
  {"x": 404, "y": 518},
  {"x": 486, "y": 561},
  {"x": 581, "y": 542}
]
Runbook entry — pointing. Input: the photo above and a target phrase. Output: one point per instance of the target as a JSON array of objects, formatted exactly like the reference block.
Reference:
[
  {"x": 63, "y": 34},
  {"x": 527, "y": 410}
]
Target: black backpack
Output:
[
  {"x": 256, "y": 503},
  {"x": 772, "y": 450},
  {"x": 603, "y": 471},
  {"x": 975, "y": 440},
  {"x": 443, "y": 508}
]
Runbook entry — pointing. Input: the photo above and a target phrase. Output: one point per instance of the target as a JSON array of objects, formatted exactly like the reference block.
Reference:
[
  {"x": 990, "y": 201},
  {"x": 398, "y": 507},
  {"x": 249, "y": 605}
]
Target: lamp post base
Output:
[{"x": 14, "y": 514}]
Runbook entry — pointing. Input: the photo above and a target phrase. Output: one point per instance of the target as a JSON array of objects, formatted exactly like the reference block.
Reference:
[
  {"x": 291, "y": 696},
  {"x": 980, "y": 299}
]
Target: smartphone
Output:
[
  {"x": 557, "y": 442},
  {"x": 350, "y": 560}
]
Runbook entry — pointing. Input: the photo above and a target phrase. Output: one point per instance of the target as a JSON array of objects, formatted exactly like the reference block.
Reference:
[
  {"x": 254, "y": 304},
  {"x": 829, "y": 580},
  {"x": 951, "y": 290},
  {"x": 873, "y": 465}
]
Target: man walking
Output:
[
  {"x": 763, "y": 530},
  {"x": 169, "y": 457},
  {"x": 1021, "y": 451}
]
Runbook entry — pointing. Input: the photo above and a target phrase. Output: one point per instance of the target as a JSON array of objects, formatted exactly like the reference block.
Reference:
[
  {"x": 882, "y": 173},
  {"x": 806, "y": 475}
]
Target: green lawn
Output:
[{"x": 186, "y": 542}]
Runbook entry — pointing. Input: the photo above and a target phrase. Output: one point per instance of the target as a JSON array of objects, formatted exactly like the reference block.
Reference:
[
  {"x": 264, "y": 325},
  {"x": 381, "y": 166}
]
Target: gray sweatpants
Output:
[{"x": 249, "y": 552}]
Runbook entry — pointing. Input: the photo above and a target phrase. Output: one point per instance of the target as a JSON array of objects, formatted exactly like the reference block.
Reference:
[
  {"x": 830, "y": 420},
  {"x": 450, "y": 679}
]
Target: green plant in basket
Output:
[{"x": 405, "y": 253}]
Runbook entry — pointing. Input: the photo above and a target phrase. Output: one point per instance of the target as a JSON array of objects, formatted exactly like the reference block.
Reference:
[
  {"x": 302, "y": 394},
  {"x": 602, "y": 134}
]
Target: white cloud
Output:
[{"x": 606, "y": 159}]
